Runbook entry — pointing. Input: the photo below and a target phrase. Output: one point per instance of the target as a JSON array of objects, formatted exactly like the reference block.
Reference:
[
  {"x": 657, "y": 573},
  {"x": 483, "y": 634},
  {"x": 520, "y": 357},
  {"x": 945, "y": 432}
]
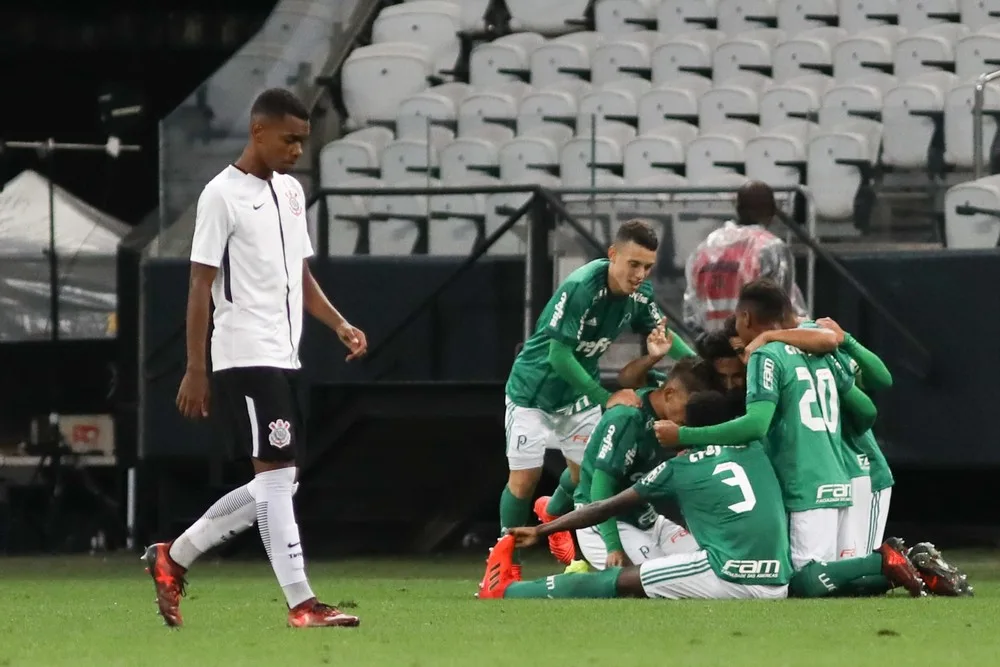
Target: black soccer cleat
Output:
[{"x": 940, "y": 577}]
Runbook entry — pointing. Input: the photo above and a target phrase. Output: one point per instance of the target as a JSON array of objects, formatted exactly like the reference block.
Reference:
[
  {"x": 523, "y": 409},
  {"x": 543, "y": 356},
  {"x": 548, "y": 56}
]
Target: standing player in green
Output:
[
  {"x": 794, "y": 403},
  {"x": 553, "y": 395},
  {"x": 732, "y": 503},
  {"x": 622, "y": 449}
]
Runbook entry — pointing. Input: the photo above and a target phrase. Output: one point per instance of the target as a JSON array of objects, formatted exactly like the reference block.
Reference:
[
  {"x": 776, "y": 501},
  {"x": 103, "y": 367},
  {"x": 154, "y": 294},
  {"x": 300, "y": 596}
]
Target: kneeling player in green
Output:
[{"x": 622, "y": 449}]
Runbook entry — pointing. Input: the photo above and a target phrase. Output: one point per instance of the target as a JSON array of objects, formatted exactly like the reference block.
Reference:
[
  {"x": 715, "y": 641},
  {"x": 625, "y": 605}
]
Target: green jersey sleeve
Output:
[
  {"x": 763, "y": 376},
  {"x": 572, "y": 302},
  {"x": 656, "y": 485},
  {"x": 648, "y": 315},
  {"x": 843, "y": 375},
  {"x": 616, "y": 433}
]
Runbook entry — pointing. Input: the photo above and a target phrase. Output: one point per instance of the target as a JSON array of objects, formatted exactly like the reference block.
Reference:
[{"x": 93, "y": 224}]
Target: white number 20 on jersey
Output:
[{"x": 824, "y": 392}]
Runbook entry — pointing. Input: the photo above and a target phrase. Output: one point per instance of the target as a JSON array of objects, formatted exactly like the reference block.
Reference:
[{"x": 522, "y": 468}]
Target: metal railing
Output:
[{"x": 978, "y": 101}]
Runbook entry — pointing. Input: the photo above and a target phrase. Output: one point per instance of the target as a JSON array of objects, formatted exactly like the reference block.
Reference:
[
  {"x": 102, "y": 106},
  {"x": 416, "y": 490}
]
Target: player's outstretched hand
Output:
[
  {"x": 660, "y": 340},
  {"x": 624, "y": 397},
  {"x": 831, "y": 324},
  {"x": 192, "y": 397},
  {"x": 354, "y": 339},
  {"x": 667, "y": 433},
  {"x": 524, "y": 537},
  {"x": 617, "y": 559}
]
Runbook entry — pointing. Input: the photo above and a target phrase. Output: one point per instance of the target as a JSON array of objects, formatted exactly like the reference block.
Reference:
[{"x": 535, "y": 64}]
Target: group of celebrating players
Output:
[{"x": 762, "y": 439}]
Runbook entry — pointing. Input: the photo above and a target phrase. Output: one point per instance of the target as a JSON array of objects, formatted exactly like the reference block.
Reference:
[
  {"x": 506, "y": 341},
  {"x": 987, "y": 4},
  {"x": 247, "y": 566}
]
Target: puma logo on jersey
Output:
[
  {"x": 607, "y": 443},
  {"x": 757, "y": 569},
  {"x": 592, "y": 348},
  {"x": 557, "y": 312},
  {"x": 831, "y": 493}
]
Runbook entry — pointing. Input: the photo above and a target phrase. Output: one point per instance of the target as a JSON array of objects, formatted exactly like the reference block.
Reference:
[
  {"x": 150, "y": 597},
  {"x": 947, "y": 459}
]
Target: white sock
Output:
[
  {"x": 280, "y": 533},
  {"x": 228, "y": 517}
]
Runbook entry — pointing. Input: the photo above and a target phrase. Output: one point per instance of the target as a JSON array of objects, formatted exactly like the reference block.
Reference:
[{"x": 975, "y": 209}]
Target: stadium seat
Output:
[
  {"x": 972, "y": 230},
  {"x": 745, "y": 54},
  {"x": 406, "y": 159},
  {"x": 798, "y": 16},
  {"x": 913, "y": 117},
  {"x": 482, "y": 110},
  {"x": 347, "y": 215},
  {"x": 930, "y": 50},
  {"x": 690, "y": 53},
  {"x": 719, "y": 151},
  {"x": 456, "y": 220},
  {"x": 861, "y": 15},
  {"x": 554, "y": 107},
  {"x": 740, "y": 16},
  {"x": 472, "y": 13},
  {"x": 866, "y": 52},
  {"x": 665, "y": 145},
  {"x": 632, "y": 51},
  {"x": 958, "y": 123},
  {"x": 564, "y": 58},
  {"x": 600, "y": 153},
  {"x": 796, "y": 99},
  {"x": 808, "y": 53},
  {"x": 523, "y": 158},
  {"x": 976, "y": 13},
  {"x": 778, "y": 157},
  {"x": 845, "y": 102},
  {"x": 916, "y": 15},
  {"x": 613, "y": 104},
  {"x": 978, "y": 53},
  {"x": 377, "y": 78},
  {"x": 738, "y": 98},
  {"x": 394, "y": 226},
  {"x": 681, "y": 17},
  {"x": 504, "y": 60},
  {"x": 467, "y": 158},
  {"x": 840, "y": 157},
  {"x": 431, "y": 23},
  {"x": 676, "y": 101},
  {"x": 546, "y": 16},
  {"x": 617, "y": 17},
  {"x": 440, "y": 103},
  {"x": 359, "y": 150}
]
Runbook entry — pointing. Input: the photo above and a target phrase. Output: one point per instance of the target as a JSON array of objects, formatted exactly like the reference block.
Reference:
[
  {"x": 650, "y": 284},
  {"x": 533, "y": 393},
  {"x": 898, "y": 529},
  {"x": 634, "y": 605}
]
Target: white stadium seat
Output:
[
  {"x": 908, "y": 136},
  {"x": 498, "y": 102},
  {"x": 855, "y": 140},
  {"x": 564, "y": 58},
  {"x": 467, "y": 158},
  {"x": 611, "y": 16},
  {"x": 510, "y": 52},
  {"x": 392, "y": 229},
  {"x": 523, "y": 158},
  {"x": 346, "y": 214},
  {"x": 724, "y": 144},
  {"x": 549, "y": 107},
  {"x": 802, "y": 54},
  {"x": 796, "y": 16},
  {"x": 691, "y": 50},
  {"x": 406, "y": 159},
  {"x": 979, "y": 230},
  {"x": 437, "y": 103},
  {"x": 548, "y": 16},
  {"x": 605, "y": 150},
  {"x": 769, "y": 156},
  {"x": 736, "y": 55},
  {"x": 916, "y": 15},
  {"x": 357, "y": 150},
  {"x": 876, "y": 45},
  {"x": 680, "y": 17},
  {"x": 678, "y": 98},
  {"x": 452, "y": 229},
  {"x": 917, "y": 53},
  {"x": 472, "y": 12},
  {"x": 736, "y": 16},
  {"x": 958, "y": 123},
  {"x": 864, "y": 94},
  {"x": 734, "y": 99},
  {"x": 859, "y": 15},
  {"x": 633, "y": 50},
  {"x": 667, "y": 144},
  {"x": 978, "y": 53},
  {"x": 376, "y": 78},
  {"x": 802, "y": 96},
  {"x": 620, "y": 98},
  {"x": 431, "y": 23},
  {"x": 976, "y": 13}
]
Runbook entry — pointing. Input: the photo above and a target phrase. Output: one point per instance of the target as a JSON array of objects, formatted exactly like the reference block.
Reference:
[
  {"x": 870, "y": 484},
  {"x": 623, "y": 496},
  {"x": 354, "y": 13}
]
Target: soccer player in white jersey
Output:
[{"x": 248, "y": 256}]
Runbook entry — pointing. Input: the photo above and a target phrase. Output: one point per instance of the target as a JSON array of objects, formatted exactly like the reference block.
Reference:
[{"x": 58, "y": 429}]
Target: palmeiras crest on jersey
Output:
[
  {"x": 281, "y": 433},
  {"x": 293, "y": 202}
]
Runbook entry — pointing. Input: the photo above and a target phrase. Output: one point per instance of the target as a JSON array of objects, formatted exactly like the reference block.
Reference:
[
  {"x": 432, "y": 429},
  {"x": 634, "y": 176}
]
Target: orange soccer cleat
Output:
[
  {"x": 561, "y": 543},
  {"x": 168, "y": 577},
  {"x": 499, "y": 570},
  {"x": 314, "y": 614}
]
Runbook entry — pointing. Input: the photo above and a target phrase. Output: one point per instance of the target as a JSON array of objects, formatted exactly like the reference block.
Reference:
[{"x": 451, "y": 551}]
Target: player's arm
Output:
[
  {"x": 874, "y": 374},
  {"x": 565, "y": 364},
  {"x": 860, "y": 409},
  {"x": 572, "y": 301},
  {"x": 199, "y": 308},
  {"x": 650, "y": 318},
  {"x": 591, "y": 514},
  {"x": 814, "y": 341},
  {"x": 604, "y": 487},
  {"x": 639, "y": 372}
]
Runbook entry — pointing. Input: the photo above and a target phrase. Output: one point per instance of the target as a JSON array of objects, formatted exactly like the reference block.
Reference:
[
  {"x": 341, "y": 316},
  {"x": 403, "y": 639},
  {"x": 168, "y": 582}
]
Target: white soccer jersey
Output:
[{"x": 255, "y": 232}]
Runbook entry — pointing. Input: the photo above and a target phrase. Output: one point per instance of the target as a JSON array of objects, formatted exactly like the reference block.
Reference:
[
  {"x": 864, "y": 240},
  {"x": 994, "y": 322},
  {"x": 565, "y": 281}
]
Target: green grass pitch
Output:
[{"x": 84, "y": 611}]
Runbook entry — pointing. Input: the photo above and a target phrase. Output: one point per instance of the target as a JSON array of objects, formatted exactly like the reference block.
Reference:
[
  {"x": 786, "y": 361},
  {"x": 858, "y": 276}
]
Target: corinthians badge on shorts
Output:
[
  {"x": 281, "y": 433},
  {"x": 293, "y": 202}
]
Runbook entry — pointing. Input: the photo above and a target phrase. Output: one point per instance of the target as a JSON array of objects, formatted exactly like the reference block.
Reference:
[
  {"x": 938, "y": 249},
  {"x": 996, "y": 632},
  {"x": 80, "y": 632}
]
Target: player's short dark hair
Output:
[
  {"x": 639, "y": 232},
  {"x": 277, "y": 103},
  {"x": 729, "y": 327},
  {"x": 693, "y": 374},
  {"x": 715, "y": 345},
  {"x": 765, "y": 299},
  {"x": 708, "y": 408}
]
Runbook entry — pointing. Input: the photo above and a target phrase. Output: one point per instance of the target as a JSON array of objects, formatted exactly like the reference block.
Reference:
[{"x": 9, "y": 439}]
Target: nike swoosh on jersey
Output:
[{"x": 257, "y": 206}]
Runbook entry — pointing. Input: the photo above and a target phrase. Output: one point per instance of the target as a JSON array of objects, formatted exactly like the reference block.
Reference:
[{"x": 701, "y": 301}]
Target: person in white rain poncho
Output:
[{"x": 741, "y": 251}]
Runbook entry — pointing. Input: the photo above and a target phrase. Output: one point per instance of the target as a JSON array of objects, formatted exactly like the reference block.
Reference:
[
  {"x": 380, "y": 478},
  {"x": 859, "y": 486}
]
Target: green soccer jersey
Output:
[
  {"x": 864, "y": 445},
  {"x": 732, "y": 504},
  {"x": 853, "y": 457},
  {"x": 586, "y": 315},
  {"x": 803, "y": 441},
  {"x": 624, "y": 446}
]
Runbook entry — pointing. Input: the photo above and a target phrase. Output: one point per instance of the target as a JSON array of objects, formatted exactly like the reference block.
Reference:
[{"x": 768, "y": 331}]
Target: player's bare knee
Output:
[
  {"x": 629, "y": 584},
  {"x": 574, "y": 471},
  {"x": 522, "y": 483},
  {"x": 266, "y": 466}
]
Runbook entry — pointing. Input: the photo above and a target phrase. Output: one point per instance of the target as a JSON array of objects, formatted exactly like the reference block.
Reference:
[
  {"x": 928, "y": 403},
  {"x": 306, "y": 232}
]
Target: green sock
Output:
[
  {"x": 817, "y": 580},
  {"x": 561, "y": 501},
  {"x": 514, "y": 512},
  {"x": 603, "y": 584},
  {"x": 870, "y": 586}
]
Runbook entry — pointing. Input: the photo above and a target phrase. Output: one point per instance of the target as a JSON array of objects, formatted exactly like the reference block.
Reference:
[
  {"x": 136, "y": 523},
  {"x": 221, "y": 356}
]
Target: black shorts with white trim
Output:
[{"x": 258, "y": 407}]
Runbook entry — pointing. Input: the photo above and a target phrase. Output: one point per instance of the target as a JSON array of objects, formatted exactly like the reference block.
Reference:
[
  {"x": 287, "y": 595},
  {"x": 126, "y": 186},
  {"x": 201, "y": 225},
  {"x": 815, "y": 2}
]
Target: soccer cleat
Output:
[
  {"x": 499, "y": 570},
  {"x": 515, "y": 570},
  {"x": 577, "y": 567},
  {"x": 940, "y": 577},
  {"x": 561, "y": 543},
  {"x": 314, "y": 614},
  {"x": 168, "y": 577},
  {"x": 898, "y": 569}
]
